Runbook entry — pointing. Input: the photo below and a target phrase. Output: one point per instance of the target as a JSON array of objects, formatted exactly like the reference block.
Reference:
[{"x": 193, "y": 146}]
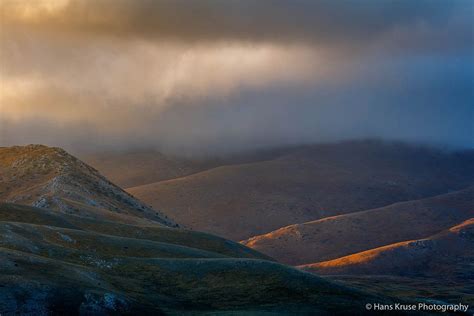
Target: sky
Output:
[{"x": 215, "y": 76}]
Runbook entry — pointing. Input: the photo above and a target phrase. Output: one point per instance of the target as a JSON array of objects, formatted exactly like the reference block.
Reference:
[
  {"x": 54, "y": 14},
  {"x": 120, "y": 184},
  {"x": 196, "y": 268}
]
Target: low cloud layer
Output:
[{"x": 214, "y": 76}]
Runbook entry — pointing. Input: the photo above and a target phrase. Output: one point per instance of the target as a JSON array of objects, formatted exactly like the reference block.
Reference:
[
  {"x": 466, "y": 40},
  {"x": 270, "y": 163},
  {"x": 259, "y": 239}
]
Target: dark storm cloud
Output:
[
  {"x": 220, "y": 76},
  {"x": 398, "y": 103},
  {"x": 318, "y": 22}
]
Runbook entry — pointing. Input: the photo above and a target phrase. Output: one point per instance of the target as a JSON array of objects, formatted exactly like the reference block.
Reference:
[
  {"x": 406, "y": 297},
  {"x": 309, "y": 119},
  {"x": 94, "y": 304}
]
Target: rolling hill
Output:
[
  {"x": 92, "y": 249},
  {"x": 51, "y": 178},
  {"x": 55, "y": 263},
  {"x": 139, "y": 167},
  {"x": 338, "y": 236},
  {"x": 305, "y": 184},
  {"x": 448, "y": 254},
  {"x": 130, "y": 168}
]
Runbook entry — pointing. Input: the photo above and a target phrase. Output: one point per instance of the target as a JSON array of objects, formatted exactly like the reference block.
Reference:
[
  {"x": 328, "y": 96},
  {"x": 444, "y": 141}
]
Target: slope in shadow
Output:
[
  {"x": 305, "y": 184},
  {"x": 58, "y": 263}
]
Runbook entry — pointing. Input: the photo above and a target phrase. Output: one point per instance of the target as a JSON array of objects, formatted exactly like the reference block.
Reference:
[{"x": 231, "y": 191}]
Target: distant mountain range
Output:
[{"x": 294, "y": 186}]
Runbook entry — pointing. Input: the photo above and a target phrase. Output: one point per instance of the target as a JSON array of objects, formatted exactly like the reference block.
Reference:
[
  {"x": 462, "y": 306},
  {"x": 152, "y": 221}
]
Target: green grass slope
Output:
[{"x": 55, "y": 263}]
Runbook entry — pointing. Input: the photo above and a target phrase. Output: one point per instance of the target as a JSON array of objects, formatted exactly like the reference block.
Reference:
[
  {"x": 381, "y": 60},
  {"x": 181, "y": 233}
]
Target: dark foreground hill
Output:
[{"x": 64, "y": 264}]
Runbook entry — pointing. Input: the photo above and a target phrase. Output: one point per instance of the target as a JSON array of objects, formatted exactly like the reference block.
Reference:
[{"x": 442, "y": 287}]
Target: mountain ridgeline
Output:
[
  {"x": 71, "y": 242},
  {"x": 303, "y": 184},
  {"x": 51, "y": 178}
]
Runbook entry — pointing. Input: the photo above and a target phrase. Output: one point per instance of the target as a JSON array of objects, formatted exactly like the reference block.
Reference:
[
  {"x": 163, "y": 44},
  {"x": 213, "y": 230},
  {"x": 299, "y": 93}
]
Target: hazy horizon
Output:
[{"x": 217, "y": 77}]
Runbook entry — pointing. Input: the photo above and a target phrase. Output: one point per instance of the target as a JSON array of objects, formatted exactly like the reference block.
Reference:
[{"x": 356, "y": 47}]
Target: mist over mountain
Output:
[{"x": 124, "y": 75}]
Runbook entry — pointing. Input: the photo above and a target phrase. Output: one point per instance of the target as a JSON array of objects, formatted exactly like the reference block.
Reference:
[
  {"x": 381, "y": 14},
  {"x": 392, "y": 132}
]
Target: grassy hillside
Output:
[
  {"x": 338, "y": 236},
  {"x": 51, "y": 178},
  {"x": 148, "y": 166},
  {"x": 306, "y": 184},
  {"x": 141, "y": 166},
  {"x": 81, "y": 245},
  {"x": 58, "y": 263},
  {"x": 446, "y": 254}
]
